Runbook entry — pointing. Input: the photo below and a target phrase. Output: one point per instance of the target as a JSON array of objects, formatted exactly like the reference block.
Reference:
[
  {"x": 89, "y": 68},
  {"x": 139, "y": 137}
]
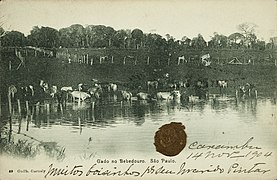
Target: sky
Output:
[{"x": 176, "y": 17}]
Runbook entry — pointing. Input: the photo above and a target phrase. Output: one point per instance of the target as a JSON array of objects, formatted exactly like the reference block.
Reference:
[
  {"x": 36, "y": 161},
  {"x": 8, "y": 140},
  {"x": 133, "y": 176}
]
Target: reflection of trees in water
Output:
[
  {"x": 106, "y": 114},
  {"x": 244, "y": 105},
  {"x": 26, "y": 146},
  {"x": 139, "y": 110}
]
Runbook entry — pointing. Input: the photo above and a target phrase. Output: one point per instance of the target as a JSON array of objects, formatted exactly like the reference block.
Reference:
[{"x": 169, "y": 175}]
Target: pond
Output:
[{"x": 81, "y": 131}]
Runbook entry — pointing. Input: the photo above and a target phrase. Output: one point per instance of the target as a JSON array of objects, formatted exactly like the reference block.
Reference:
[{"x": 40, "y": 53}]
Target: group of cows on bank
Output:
[{"x": 177, "y": 90}]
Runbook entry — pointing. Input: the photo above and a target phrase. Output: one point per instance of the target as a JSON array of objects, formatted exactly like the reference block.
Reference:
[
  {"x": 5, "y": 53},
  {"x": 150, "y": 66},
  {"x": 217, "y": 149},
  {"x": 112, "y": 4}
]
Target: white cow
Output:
[
  {"x": 79, "y": 95},
  {"x": 182, "y": 58},
  {"x": 222, "y": 83},
  {"x": 66, "y": 89},
  {"x": 205, "y": 60}
]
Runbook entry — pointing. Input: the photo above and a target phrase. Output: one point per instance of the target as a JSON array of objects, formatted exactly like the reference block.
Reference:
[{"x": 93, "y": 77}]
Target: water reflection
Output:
[
  {"x": 101, "y": 115},
  {"x": 138, "y": 119}
]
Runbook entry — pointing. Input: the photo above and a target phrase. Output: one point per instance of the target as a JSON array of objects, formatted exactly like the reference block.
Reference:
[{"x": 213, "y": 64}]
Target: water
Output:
[{"x": 115, "y": 129}]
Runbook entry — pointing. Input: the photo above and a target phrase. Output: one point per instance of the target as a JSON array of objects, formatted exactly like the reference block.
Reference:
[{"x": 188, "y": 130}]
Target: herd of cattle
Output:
[{"x": 183, "y": 91}]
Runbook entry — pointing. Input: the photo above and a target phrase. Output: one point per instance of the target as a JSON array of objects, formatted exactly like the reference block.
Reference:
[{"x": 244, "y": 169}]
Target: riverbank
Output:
[{"x": 60, "y": 73}]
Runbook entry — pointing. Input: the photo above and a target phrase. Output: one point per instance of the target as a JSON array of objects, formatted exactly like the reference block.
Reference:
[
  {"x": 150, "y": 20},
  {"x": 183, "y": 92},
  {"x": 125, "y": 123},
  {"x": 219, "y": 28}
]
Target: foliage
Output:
[
  {"x": 101, "y": 36},
  {"x": 198, "y": 42},
  {"x": 43, "y": 37},
  {"x": 13, "y": 39}
]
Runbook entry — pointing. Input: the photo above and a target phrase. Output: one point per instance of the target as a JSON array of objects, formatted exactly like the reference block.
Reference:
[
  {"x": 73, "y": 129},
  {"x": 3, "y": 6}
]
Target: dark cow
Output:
[
  {"x": 247, "y": 90},
  {"x": 96, "y": 92},
  {"x": 174, "y": 95},
  {"x": 125, "y": 95},
  {"x": 152, "y": 85},
  {"x": 201, "y": 89},
  {"x": 222, "y": 85}
]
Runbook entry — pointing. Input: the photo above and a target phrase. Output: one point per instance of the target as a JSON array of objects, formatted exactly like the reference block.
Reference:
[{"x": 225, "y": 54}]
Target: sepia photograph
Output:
[{"x": 138, "y": 89}]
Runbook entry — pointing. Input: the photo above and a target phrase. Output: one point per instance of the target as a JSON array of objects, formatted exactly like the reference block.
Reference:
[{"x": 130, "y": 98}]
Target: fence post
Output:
[
  {"x": 148, "y": 60},
  {"x": 10, "y": 103},
  {"x": 87, "y": 58},
  {"x": 19, "y": 106},
  {"x": 91, "y": 61},
  {"x": 47, "y": 106},
  {"x": 124, "y": 60},
  {"x": 10, "y": 65},
  {"x": 27, "y": 107},
  {"x": 168, "y": 61},
  {"x": 0, "y": 107},
  {"x": 112, "y": 59}
]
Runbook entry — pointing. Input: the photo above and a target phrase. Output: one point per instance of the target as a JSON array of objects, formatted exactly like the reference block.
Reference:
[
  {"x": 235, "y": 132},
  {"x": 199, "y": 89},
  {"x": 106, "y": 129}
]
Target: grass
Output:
[{"x": 61, "y": 74}]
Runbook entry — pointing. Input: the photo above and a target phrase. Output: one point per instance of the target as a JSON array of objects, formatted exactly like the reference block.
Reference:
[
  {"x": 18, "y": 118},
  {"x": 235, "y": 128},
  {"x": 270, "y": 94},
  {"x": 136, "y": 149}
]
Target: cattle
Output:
[
  {"x": 53, "y": 91},
  {"x": 66, "y": 89},
  {"x": 184, "y": 97},
  {"x": 29, "y": 93},
  {"x": 172, "y": 86},
  {"x": 80, "y": 87},
  {"x": 182, "y": 58},
  {"x": 12, "y": 90},
  {"x": 205, "y": 60},
  {"x": 222, "y": 83},
  {"x": 113, "y": 87},
  {"x": 79, "y": 95},
  {"x": 247, "y": 90},
  {"x": 125, "y": 95},
  {"x": 143, "y": 96},
  {"x": 162, "y": 95},
  {"x": 95, "y": 92},
  {"x": 201, "y": 89},
  {"x": 174, "y": 95},
  {"x": 152, "y": 85}
]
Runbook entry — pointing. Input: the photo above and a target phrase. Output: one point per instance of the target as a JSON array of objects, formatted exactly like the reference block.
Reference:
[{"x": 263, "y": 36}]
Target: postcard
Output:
[{"x": 138, "y": 89}]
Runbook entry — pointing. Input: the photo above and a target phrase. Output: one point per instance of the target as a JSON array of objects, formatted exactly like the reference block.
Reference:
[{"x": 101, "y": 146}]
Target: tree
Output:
[
  {"x": 99, "y": 36},
  {"x": 119, "y": 39},
  {"x": 155, "y": 42},
  {"x": 72, "y": 36},
  {"x": 14, "y": 39},
  {"x": 198, "y": 42},
  {"x": 137, "y": 37},
  {"x": 185, "y": 42},
  {"x": 235, "y": 40},
  {"x": 248, "y": 30},
  {"x": 218, "y": 41},
  {"x": 44, "y": 37}
]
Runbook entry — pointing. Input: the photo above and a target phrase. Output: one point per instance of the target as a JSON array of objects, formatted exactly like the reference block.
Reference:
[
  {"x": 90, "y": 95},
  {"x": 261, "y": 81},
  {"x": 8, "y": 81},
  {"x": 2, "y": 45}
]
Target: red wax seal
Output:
[{"x": 170, "y": 139}]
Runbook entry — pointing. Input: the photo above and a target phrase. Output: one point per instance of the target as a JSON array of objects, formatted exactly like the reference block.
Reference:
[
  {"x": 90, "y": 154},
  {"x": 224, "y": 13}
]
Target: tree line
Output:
[{"x": 100, "y": 36}]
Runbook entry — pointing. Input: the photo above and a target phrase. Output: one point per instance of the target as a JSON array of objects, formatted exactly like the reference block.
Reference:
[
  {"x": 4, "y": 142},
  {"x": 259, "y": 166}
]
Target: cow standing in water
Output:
[
  {"x": 125, "y": 95},
  {"x": 152, "y": 85},
  {"x": 95, "y": 92},
  {"x": 247, "y": 90},
  {"x": 222, "y": 86},
  {"x": 201, "y": 89},
  {"x": 79, "y": 95}
]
